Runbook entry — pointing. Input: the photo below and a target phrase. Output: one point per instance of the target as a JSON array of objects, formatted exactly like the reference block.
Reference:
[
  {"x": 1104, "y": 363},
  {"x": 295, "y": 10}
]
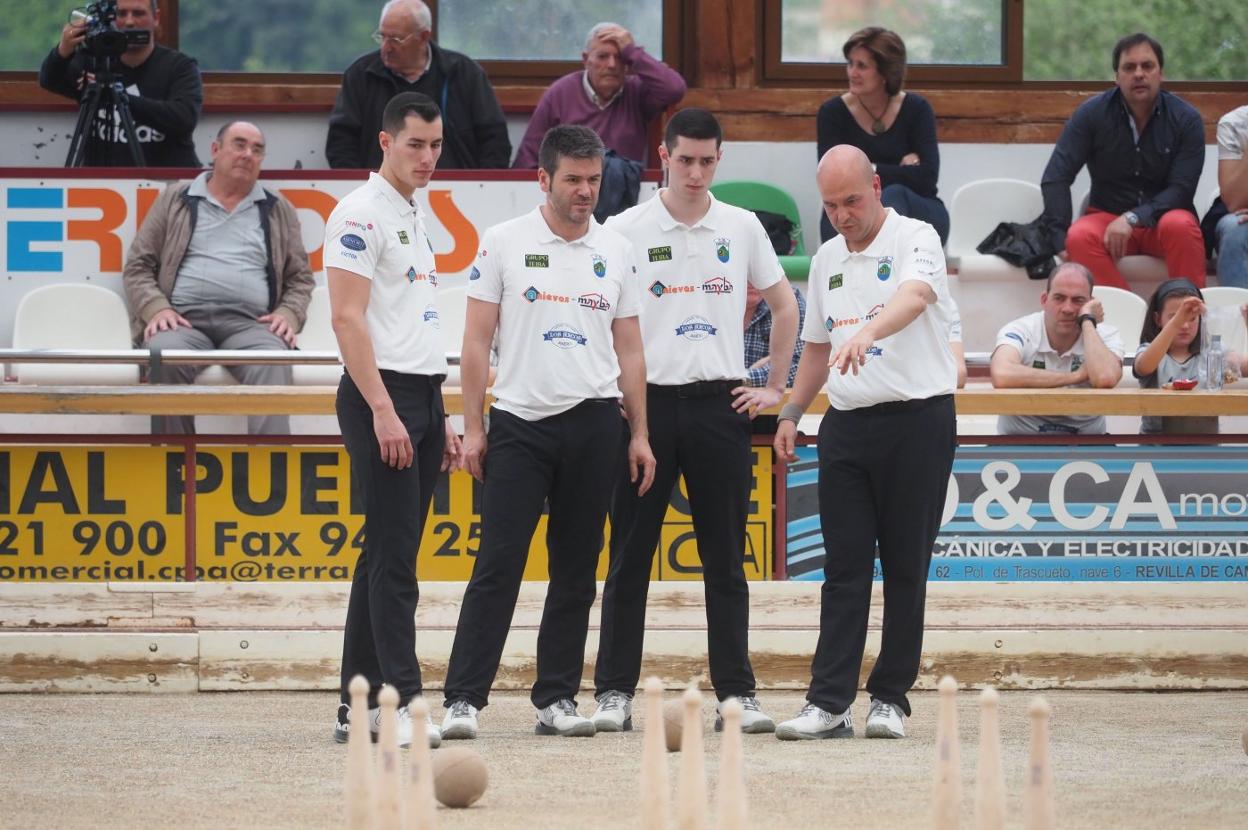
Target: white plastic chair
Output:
[
  {"x": 989, "y": 291},
  {"x": 317, "y": 336},
  {"x": 73, "y": 316},
  {"x": 1230, "y": 325},
  {"x": 976, "y": 209},
  {"x": 1125, "y": 311}
]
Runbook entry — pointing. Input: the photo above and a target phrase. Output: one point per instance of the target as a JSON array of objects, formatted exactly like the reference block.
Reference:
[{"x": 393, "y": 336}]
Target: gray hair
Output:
[
  {"x": 598, "y": 29},
  {"x": 420, "y": 13}
]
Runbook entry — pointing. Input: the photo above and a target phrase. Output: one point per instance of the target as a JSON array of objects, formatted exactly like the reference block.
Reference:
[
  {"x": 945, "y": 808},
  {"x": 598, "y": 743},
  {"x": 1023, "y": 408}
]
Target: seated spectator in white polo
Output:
[
  {"x": 1065, "y": 344},
  {"x": 219, "y": 263}
]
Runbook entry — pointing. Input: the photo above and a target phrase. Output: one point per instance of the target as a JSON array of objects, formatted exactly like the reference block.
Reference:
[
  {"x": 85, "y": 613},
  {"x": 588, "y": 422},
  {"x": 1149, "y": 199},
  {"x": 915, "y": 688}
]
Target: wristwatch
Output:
[
  {"x": 1132, "y": 218},
  {"x": 1083, "y": 317}
]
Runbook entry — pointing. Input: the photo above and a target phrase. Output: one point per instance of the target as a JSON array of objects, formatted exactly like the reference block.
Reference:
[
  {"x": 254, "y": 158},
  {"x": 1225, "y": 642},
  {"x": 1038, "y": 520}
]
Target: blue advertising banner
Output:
[{"x": 1069, "y": 513}]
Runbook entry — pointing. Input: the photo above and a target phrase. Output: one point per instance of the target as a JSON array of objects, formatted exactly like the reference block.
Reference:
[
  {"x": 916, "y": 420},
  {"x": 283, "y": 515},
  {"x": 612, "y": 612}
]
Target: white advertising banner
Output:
[{"x": 60, "y": 229}]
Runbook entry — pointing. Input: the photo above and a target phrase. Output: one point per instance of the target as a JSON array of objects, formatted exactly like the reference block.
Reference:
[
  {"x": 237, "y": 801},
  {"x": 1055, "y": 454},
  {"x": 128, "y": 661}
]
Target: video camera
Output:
[{"x": 103, "y": 38}]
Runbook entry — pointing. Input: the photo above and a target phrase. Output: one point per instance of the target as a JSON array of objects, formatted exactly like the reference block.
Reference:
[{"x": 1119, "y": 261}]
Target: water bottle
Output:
[{"x": 1215, "y": 360}]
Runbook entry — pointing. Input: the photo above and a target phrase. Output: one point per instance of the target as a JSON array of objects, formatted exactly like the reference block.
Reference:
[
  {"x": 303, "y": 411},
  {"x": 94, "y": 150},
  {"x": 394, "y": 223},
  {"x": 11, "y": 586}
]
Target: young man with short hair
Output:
[
  {"x": 561, "y": 293},
  {"x": 698, "y": 256},
  {"x": 382, "y": 276}
]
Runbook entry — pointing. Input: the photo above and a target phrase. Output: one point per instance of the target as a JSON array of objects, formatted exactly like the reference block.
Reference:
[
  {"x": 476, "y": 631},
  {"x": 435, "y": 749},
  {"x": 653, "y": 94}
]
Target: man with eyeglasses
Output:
[{"x": 474, "y": 129}]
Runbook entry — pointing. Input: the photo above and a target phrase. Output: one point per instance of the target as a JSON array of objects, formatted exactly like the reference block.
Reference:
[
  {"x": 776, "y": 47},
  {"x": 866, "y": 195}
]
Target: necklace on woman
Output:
[{"x": 877, "y": 122}]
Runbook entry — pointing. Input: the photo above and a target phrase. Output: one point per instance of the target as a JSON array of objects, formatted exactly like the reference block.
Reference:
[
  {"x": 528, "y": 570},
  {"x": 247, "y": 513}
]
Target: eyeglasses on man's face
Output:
[{"x": 379, "y": 38}]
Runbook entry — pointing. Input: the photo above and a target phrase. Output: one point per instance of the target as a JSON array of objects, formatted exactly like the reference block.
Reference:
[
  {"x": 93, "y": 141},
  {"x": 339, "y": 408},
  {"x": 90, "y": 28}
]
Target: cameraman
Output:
[{"x": 162, "y": 86}]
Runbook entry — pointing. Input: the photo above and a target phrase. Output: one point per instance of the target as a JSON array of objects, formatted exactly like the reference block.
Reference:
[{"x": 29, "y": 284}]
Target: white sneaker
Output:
[
  {"x": 460, "y": 723},
  {"x": 814, "y": 722},
  {"x": 403, "y": 727},
  {"x": 560, "y": 718},
  {"x": 753, "y": 719},
  {"x": 614, "y": 713},
  {"x": 884, "y": 720},
  {"x": 342, "y": 728}
]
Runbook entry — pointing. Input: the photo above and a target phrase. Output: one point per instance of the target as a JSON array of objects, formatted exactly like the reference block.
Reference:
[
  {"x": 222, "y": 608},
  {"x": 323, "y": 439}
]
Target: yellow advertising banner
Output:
[{"x": 262, "y": 514}]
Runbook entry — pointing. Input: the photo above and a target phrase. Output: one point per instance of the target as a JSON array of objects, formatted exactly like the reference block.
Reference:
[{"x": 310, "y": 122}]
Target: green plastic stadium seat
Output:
[{"x": 763, "y": 196}]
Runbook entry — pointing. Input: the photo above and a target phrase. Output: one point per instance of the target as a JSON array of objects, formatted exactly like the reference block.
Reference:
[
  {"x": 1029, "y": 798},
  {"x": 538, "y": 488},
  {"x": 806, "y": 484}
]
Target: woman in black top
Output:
[{"x": 897, "y": 130}]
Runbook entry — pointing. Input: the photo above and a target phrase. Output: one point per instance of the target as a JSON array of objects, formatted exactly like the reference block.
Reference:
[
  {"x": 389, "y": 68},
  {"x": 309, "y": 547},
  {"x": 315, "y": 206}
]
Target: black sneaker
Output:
[{"x": 342, "y": 727}]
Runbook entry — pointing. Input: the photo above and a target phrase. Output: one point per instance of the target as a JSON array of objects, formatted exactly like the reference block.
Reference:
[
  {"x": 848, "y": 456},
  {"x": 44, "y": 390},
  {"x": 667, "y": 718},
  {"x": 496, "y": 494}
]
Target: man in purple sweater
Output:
[{"x": 621, "y": 90}]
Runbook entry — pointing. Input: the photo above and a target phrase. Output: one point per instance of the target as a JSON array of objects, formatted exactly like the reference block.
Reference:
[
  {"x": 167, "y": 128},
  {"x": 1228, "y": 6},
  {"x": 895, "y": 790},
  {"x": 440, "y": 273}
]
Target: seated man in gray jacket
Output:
[{"x": 219, "y": 264}]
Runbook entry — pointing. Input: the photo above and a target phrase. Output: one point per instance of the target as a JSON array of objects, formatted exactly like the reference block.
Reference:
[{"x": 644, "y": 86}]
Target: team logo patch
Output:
[
  {"x": 536, "y": 261},
  {"x": 433, "y": 278},
  {"x": 721, "y": 249},
  {"x": 411, "y": 275},
  {"x": 350, "y": 240},
  {"x": 431, "y": 315},
  {"x": 717, "y": 285},
  {"x": 600, "y": 265},
  {"x": 662, "y": 254},
  {"x": 531, "y": 294},
  {"x": 835, "y": 281},
  {"x": 403, "y": 240},
  {"x": 596, "y": 302},
  {"x": 564, "y": 336},
  {"x": 474, "y": 274},
  {"x": 829, "y": 324},
  {"x": 1075, "y": 363},
  {"x": 885, "y": 269},
  {"x": 1035, "y": 364},
  {"x": 657, "y": 288},
  {"x": 875, "y": 351},
  {"x": 695, "y": 329}
]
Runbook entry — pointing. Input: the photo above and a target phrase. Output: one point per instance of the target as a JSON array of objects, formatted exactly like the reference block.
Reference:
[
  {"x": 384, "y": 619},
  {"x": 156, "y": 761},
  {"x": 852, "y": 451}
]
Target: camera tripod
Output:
[{"x": 95, "y": 133}]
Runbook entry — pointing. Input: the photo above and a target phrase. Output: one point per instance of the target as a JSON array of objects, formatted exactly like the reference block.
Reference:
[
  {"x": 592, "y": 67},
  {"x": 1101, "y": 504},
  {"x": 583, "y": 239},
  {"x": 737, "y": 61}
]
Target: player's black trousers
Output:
[
  {"x": 883, "y": 473},
  {"x": 569, "y": 461}
]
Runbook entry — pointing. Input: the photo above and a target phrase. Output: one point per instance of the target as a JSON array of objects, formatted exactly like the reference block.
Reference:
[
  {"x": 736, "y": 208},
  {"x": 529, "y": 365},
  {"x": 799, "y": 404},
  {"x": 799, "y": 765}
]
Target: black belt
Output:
[
  {"x": 697, "y": 389},
  {"x": 899, "y": 406}
]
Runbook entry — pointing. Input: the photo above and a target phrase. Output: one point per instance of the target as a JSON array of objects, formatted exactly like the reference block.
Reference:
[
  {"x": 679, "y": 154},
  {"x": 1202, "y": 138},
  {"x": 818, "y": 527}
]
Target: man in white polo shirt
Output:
[
  {"x": 1067, "y": 343},
  {"x": 561, "y": 293},
  {"x": 697, "y": 258},
  {"x": 879, "y": 308},
  {"x": 382, "y": 276}
]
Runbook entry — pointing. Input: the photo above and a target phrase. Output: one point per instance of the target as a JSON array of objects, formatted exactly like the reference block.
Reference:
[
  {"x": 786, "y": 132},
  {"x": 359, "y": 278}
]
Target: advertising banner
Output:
[
  {"x": 1069, "y": 513},
  {"x": 117, "y": 513},
  {"x": 58, "y": 230}
]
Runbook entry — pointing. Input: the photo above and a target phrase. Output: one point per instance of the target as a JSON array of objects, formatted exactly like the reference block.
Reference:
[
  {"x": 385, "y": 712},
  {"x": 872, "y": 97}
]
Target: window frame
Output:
[
  {"x": 514, "y": 72},
  {"x": 778, "y": 72},
  {"x": 773, "y": 73}
]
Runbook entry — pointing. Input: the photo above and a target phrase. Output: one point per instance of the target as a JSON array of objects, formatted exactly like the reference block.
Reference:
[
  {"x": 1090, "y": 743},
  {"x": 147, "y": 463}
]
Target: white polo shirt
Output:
[
  {"x": 847, "y": 290},
  {"x": 556, "y": 303},
  {"x": 1028, "y": 336},
  {"x": 693, "y": 283},
  {"x": 376, "y": 233}
]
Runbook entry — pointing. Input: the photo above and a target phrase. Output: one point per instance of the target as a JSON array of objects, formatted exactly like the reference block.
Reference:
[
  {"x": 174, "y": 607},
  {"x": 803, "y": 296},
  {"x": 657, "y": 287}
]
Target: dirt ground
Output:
[{"x": 259, "y": 760}]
